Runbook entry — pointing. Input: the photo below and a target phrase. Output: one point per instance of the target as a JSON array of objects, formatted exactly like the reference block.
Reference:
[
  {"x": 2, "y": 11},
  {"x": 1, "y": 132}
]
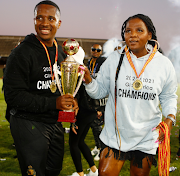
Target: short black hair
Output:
[
  {"x": 49, "y": 3},
  {"x": 96, "y": 44},
  {"x": 147, "y": 21}
]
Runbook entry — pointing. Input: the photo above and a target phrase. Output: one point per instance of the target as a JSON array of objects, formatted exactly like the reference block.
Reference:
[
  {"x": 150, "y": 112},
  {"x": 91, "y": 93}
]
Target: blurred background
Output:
[{"x": 92, "y": 22}]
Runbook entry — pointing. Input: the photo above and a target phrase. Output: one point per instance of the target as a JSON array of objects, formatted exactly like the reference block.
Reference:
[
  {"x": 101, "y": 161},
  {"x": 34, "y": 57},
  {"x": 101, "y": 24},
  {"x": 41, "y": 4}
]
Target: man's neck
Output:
[
  {"x": 94, "y": 58},
  {"x": 48, "y": 43}
]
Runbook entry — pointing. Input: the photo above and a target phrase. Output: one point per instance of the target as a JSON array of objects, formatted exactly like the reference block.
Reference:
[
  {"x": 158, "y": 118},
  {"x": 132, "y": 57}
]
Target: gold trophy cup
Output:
[{"x": 67, "y": 78}]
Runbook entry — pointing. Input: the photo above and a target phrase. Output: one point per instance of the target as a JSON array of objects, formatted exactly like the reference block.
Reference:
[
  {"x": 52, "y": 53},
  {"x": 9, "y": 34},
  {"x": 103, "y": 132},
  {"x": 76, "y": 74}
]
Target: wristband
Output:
[{"x": 172, "y": 119}]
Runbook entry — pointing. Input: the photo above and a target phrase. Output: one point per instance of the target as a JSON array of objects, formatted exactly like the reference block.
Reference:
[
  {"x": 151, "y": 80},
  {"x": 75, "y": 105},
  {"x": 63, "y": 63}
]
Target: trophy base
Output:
[{"x": 66, "y": 117}]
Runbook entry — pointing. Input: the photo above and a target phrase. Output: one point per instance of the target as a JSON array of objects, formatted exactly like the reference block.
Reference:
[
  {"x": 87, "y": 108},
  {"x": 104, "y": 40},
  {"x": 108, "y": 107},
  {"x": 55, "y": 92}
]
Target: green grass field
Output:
[{"x": 9, "y": 163}]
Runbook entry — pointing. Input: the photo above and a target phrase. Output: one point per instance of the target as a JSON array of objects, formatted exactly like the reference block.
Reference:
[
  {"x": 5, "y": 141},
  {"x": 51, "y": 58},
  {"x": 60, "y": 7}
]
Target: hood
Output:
[{"x": 32, "y": 40}]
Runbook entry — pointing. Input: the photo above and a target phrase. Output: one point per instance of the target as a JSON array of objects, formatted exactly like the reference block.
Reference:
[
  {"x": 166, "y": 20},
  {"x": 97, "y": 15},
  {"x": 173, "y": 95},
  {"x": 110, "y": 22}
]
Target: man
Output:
[
  {"x": 94, "y": 65},
  {"x": 30, "y": 92}
]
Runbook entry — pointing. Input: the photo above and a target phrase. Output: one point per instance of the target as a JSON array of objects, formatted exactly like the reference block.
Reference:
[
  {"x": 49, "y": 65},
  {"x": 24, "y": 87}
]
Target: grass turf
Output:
[{"x": 9, "y": 164}]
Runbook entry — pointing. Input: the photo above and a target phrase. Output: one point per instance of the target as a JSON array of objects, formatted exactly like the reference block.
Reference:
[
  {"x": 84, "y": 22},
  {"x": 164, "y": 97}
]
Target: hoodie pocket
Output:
[{"x": 138, "y": 137}]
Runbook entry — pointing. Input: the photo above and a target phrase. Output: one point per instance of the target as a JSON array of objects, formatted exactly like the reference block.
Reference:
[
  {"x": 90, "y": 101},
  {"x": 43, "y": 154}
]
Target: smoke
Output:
[
  {"x": 174, "y": 57},
  {"x": 109, "y": 46},
  {"x": 174, "y": 53},
  {"x": 175, "y": 2},
  {"x": 174, "y": 26},
  {"x": 175, "y": 42},
  {"x": 164, "y": 14},
  {"x": 115, "y": 20}
]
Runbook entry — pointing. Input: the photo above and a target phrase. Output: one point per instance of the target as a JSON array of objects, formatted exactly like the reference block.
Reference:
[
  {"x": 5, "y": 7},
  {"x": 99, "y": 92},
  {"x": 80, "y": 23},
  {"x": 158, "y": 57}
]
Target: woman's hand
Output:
[
  {"x": 169, "y": 124},
  {"x": 75, "y": 106},
  {"x": 74, "y": 127},
  {"x": 87, "y": 77},
  {"x": 99, "y": 114}
]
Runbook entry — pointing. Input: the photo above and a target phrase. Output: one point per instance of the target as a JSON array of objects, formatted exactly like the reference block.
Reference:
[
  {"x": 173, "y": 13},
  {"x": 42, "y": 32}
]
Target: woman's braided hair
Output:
[{"x": 147, "y": 21}]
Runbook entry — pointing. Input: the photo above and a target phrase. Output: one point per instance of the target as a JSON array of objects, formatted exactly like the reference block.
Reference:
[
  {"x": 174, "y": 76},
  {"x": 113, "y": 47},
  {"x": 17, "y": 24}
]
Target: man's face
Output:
[
  {"x": 96, "y": 51},
  {"x": 46, "y": 23}
]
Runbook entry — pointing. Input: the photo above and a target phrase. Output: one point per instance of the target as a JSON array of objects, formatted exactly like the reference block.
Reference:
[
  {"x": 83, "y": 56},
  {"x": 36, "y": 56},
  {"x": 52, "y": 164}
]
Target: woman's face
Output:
[{"x": 136, "y": 36}]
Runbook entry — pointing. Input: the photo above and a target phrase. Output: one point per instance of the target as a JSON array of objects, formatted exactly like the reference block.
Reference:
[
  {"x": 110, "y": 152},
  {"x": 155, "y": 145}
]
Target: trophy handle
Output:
[
  {"x": 56, "y": 72},
  {"x": 79, "y": 83}
]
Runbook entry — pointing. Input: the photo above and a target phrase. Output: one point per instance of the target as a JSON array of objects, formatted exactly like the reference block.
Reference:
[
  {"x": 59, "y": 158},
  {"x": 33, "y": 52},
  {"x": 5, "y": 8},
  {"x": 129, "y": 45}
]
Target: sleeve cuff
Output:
[{"x": 90, "y": 85}]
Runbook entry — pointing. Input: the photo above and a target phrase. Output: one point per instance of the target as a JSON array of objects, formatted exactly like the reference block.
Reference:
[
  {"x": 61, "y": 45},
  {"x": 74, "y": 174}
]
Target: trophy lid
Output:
[{"x": 70, "y": 46}]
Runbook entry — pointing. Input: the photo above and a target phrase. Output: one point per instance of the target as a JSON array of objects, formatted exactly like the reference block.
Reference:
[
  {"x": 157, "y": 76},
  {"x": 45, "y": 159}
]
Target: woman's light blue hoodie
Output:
[{"x": 138, "y": 112}]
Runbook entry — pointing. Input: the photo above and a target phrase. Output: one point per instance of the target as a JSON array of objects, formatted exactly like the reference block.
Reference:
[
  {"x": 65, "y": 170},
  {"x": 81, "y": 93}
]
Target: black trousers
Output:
[
  {"x": 96, "y": 129},
  {"x": 78, "y": 145},
  {"x": 39, "y": 146}
]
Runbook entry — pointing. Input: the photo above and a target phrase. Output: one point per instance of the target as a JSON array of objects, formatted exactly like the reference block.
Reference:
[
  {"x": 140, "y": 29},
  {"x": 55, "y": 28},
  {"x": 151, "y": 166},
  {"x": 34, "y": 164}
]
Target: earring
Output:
[
  {"x": 120, "y": 45},
  {"x": 148, "y": 47},
  {"x": 157, "y": 43}
]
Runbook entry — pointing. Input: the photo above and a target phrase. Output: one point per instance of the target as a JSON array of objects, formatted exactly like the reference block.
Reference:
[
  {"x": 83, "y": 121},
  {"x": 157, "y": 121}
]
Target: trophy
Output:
[{"x": 67, "y": 77}]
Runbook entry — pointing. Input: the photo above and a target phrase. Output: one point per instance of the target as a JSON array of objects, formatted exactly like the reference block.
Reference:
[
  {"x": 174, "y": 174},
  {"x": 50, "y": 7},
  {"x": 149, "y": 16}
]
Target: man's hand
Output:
[{"x": 65, "y": 102}]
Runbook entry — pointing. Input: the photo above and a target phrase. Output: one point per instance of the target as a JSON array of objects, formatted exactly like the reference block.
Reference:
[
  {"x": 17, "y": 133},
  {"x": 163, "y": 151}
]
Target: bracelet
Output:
[
  {"x": 172, "y": 119},
  {"x": 74, "y": 125}
]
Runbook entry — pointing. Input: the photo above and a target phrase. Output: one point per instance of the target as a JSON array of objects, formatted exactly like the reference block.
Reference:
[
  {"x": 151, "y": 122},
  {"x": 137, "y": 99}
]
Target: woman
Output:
[
  {"x": 132, "y": 111},
  {"x": 89, "y": 111},
  {"x": 78, "y": 131}
]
